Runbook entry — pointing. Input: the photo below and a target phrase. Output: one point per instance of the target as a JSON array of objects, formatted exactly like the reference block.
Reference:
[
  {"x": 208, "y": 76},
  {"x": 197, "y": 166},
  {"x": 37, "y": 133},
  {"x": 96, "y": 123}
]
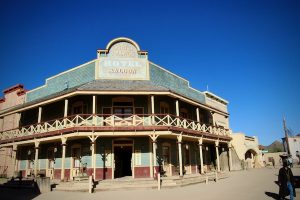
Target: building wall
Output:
[
  {"x": 242, "y": 144},
  {"x": 216, "y": 104},
  {"x": 294, "y": 143}
]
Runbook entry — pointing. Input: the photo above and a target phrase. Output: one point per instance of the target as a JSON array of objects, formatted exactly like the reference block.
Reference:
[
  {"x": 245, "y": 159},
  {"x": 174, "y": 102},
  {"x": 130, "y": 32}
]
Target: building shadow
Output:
[{"x": 18, "y": 193}]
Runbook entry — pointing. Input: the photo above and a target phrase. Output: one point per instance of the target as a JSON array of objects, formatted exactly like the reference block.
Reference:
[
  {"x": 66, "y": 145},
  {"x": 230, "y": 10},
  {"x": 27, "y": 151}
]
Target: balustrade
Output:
[{"x": 120, "y": 120}]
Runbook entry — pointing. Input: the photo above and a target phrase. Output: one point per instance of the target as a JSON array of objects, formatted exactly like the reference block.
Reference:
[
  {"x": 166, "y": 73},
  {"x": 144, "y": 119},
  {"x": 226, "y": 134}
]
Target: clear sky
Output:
[{"x": 247, "y": 52}]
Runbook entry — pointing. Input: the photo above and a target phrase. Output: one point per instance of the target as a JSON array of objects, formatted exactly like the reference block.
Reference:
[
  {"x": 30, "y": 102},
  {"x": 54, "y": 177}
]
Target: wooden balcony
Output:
[{"x": 90, "y": 122}]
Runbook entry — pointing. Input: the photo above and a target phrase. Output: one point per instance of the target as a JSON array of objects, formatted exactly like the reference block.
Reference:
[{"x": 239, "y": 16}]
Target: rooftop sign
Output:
[{"x": 122, "y": 60}]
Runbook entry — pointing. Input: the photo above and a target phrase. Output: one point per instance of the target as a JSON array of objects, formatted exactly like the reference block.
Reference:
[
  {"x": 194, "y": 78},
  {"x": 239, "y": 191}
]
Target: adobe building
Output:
[
  {"x": 291, "y": 144},
  {"x": 247, "y": 151},
  {"x": 117, "y": 115}
]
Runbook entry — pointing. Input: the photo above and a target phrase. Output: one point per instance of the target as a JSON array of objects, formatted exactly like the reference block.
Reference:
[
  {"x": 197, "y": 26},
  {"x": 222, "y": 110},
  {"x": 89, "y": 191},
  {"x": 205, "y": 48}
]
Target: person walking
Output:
[{"x": 286, "y": 182}]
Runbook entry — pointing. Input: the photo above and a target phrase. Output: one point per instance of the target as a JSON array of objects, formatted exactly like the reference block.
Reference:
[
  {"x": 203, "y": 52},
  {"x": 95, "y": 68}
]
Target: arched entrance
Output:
[{"x": 250, "y": 157}]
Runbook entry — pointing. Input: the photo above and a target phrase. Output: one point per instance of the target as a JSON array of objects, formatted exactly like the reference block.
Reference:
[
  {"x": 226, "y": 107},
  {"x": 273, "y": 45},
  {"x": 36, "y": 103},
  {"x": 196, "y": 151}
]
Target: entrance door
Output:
[{"x": 123, "y": 158}]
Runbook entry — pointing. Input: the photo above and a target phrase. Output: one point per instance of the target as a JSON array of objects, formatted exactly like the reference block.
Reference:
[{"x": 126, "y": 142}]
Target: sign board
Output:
[
  {"x": 123, "y": 62},
  {"x": 265, "y": 151}
]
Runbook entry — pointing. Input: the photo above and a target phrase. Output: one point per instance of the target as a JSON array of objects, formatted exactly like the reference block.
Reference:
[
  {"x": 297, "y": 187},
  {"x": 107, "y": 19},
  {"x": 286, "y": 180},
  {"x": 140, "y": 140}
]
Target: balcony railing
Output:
[{"x": 90, "y": 120}]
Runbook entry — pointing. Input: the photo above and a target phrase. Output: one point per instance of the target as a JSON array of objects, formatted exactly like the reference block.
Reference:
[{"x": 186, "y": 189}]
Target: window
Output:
[
  {"x": 164, "y": 108},
  {"x": 183, "y": 113},
  {"x": 79, "y": 108}
]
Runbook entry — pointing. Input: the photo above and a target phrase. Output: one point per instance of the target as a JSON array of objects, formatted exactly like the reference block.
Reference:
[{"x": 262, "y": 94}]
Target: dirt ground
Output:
[{"x": 254, "y": 184}]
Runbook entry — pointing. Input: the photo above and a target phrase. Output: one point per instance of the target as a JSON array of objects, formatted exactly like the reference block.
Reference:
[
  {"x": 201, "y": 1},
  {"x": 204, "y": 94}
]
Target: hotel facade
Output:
[{"x": 117, "y": 115}]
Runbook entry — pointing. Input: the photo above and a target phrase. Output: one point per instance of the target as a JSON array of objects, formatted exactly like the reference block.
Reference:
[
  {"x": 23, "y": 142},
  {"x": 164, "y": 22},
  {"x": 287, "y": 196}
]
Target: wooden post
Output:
[
  {"x": 201, "y": 155},
  {"x": 40, "y": 115},
  {"x": 179, "y": 138},
  {"x": 217, "y": 155},
  {"x": 36, "y": 144},
  {"x": 177, "y": 112},
  {"x": 152, "y": 109},
  {"x": 63, "y": 144},
  {"x": 151, "y": 159},
  {"x": 66, "y": 111},
  {"x": 158, "y": 181},
  {"x": 15, "y": 150},
  {"x": 94, "y": 109},
  {"x": 197, "y": 114}
]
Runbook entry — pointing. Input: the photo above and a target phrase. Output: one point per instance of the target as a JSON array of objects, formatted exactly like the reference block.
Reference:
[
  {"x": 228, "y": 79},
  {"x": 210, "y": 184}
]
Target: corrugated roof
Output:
[{"x": 98, "y": 85}]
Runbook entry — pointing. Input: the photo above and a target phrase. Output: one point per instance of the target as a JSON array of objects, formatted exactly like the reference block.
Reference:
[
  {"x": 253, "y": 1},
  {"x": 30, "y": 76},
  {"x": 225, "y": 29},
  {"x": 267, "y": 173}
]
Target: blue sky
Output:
[{"x": 247, "y": 52}]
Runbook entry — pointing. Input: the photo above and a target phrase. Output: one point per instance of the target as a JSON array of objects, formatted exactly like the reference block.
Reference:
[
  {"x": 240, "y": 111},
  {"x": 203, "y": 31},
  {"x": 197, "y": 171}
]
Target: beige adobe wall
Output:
[
  {"x": 275, "y": 156},
  {"x": 216, "y": 104},
  {"x": 220, "y": 120},
  {"x": 12, "y": 97},
  {"x": 241, "y": 143}
]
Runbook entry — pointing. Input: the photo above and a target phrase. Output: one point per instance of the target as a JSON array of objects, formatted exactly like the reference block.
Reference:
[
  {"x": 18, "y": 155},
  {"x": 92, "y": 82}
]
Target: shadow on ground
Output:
[
  {"x": 17, "y": 194},
  {"x": 272, "y": 195}
]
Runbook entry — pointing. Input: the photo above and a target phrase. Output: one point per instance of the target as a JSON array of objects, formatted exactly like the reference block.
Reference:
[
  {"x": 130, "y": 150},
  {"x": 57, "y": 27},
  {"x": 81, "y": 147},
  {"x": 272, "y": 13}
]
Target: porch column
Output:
[
  {"x": 177, "y": 112},
  {"x": 179, "y": 139},
  {"x": 229, "y": 156},
  {"x": 197, "y": 114},
  {"x": 15, "y": 150},
  {"x": 151, "y": 159},
  {"x": 93, "y": 149},
  {"x": 217, "y": 155},
  {"x": 66, "y": 111},
  {"x": 40, "y": 115},
  {"x": 94, "y": 109},
  {"x": 152, "y": 109},
  {"x": 36, "y": 144},
  {"x": 201, "y": 156},
  {"x": 63, "y": 157}
]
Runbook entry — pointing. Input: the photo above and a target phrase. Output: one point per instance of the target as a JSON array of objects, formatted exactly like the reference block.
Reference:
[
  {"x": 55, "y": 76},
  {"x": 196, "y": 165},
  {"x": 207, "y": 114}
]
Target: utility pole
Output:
[{"x": 286, "y": 137}]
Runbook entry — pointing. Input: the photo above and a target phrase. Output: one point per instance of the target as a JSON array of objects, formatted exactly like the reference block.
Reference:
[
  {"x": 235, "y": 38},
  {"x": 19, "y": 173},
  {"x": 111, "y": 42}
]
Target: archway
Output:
[{"x": 250, "y": 158}]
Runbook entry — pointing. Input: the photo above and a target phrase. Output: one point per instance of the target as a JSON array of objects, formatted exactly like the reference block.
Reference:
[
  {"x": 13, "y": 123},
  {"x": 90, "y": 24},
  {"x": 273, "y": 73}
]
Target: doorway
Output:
[{"x": 123, "y": 161}]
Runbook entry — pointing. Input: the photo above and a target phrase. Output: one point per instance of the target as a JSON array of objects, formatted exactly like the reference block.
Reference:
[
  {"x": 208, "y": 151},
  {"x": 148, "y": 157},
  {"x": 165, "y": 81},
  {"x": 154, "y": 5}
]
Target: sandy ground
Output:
[{"x": 254, "y": 184}]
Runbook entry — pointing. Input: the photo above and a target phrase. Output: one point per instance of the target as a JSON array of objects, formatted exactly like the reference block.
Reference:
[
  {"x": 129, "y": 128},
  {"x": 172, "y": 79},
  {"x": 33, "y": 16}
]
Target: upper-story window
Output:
[
  {"x": 164, "y": 108},
  {"x": 123, "y": 106},
  {"x": 183, "y": 113},
  {"x": 79, "y": 108}
]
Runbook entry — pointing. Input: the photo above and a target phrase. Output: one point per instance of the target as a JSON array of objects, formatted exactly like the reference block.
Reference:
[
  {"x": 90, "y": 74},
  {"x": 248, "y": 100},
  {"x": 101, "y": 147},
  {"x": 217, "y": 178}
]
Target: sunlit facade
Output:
[{"x": 117, "y": 115}]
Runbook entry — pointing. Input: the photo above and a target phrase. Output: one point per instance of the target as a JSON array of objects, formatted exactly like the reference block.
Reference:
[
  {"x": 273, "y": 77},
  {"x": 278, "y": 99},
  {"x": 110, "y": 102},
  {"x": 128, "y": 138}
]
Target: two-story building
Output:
[{"x": 117, "y": 115}]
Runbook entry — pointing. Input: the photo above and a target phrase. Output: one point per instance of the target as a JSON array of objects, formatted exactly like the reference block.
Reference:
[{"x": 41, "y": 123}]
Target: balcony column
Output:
[
  {"x": 197, "y": 114},
  {"x": 63, "y": 157},
  {"x": 201, "y": 155},
  {"x": 229, "y": 156},
  {"x": 179, "y": 140},
  {"x": 40, "y": 115},
  {"x": 177, "y": 112},
  {"x": 217, "y": 155},
  {"x": 66, "y": 111},
  {"x": 152, "y": 110},
  {"x": 153, "y": 160},
  {"x": 94, "y": 110},
  {"x": 36, "y": 145}
]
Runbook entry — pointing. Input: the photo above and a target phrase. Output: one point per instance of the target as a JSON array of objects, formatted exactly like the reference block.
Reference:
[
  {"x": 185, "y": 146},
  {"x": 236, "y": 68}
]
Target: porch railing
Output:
[{"x": 122, "y": 120}]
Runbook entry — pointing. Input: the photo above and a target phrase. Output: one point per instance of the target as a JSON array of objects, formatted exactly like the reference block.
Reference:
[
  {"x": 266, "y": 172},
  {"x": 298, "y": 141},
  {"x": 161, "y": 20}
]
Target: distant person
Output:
[
  {"x": 273, "y": 162},
  {"x": 286, "y": 182}
]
